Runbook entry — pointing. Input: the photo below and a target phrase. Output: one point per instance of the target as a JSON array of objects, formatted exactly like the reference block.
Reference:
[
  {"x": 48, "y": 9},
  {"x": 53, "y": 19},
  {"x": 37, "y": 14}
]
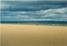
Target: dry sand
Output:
[{"x": 32, "y": 35}]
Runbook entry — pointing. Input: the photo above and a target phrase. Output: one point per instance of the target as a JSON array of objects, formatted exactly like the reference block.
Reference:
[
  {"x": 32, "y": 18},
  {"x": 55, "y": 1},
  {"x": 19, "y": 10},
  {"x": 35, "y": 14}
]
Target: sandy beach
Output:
[{"x": 32, "y": 35}]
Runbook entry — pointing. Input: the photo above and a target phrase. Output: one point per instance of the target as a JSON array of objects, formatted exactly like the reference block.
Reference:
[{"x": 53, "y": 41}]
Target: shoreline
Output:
[{"x": 35, "y": 25}]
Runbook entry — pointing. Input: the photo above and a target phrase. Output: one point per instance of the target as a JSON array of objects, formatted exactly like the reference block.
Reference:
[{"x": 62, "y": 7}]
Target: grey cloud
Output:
[
  {"x": 32, "y": 5},
  {"x": 34, "y": 11}
]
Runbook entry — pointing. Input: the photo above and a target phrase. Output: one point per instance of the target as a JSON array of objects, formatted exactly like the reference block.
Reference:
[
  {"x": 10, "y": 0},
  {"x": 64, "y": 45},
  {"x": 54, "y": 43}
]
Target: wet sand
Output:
[{"x": 32, "y": 35}]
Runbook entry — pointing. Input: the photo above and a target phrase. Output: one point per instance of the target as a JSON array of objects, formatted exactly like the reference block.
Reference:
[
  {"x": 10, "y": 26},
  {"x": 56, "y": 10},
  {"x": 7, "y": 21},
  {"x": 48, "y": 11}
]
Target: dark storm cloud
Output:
[
  {"x": 33, "y": 10},
  {"x": 32, "y": 5}
]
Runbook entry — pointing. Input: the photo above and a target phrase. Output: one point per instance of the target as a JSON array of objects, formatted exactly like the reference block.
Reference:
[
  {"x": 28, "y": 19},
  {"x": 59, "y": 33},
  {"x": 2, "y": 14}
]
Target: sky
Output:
[{"x": 33, "y": 10}]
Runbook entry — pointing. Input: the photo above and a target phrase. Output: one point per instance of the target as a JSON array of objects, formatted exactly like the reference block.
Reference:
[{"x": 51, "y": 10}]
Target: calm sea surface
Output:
[{"x": 40, "y": 23}]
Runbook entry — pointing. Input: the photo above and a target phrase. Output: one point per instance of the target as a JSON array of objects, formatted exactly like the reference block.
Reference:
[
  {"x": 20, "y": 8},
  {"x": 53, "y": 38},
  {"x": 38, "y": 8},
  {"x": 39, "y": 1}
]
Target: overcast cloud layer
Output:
[{"x": 33, "y": 10}]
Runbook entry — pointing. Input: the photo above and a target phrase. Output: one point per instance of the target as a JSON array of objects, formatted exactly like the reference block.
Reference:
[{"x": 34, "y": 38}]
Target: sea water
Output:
[{"x": 41, "y": 23}]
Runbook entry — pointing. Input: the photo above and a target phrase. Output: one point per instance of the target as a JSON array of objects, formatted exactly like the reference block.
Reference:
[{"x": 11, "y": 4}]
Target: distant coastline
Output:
[{"x": 47, "y": 23}]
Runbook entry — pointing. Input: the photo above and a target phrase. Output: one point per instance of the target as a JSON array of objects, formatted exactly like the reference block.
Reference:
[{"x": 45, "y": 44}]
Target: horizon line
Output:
[{"x": 33, "y": 0}]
